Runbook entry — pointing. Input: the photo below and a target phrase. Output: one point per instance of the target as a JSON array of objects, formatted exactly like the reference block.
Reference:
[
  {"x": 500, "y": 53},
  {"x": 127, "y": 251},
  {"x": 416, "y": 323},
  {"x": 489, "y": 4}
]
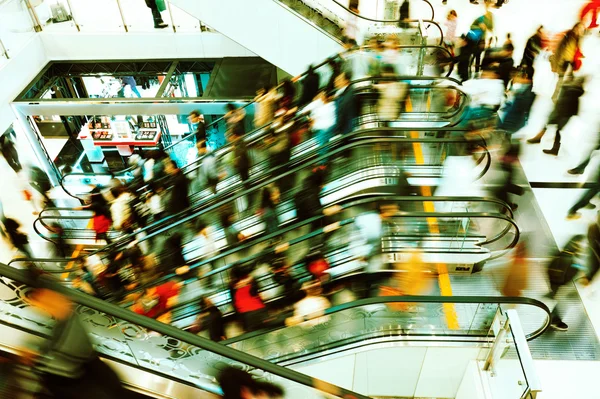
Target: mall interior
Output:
[{"x": 299, "y": 199}]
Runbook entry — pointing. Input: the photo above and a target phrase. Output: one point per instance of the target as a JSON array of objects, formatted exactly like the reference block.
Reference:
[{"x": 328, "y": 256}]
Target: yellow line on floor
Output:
[{"x": 428, "y": 206}]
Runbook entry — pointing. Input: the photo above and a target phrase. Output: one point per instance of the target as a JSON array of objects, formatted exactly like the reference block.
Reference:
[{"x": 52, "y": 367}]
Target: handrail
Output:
[
  {"x": 176, "y": 219},
  {"x": 507, "y": 300},
  {"x": 167, "y": 330},
  {"x": 356, "y": 200}
]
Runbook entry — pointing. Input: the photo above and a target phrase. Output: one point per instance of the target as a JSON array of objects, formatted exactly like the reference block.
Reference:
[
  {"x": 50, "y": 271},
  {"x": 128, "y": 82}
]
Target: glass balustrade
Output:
[{"x": 16, "y": 27}]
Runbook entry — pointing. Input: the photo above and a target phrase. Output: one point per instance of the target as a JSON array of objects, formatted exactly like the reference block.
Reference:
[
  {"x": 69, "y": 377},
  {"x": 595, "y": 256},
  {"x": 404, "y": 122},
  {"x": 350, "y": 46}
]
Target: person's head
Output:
[
  {"x": 508, "y": 49},
  {"x": 578, "y": 29},
  {"x": 117, "y": 191},
  {"x": 452, "y": 15},
  {"x": 230, "y": 108},
  {"x": 387, "y": 71},
  {"x": 267, "y": 390},
  {"x": 317, "y": 178},
  {"x": 266, "y": 200},
  {"x": 508, "y": 37},
  {"x": 196, "y": 117},
  {"x": 236, "y": 384},
  {"x": 201, "y": 227},
  {"x": 342, "y": 80},
  {"x": 312, "y": 288},
  {"x": 540, "y": 30},
  {"x": 171, "y": 166}
]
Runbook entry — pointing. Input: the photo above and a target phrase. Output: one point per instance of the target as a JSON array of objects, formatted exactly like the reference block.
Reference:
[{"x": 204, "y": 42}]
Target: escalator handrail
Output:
[
  {"x": 500, "y": 300},
  {"x": 173, "y": 332},
  {"x": 184, "y": 216},
  {"x": 359, "y": 16},
  {"x": 356, "y": 200}
]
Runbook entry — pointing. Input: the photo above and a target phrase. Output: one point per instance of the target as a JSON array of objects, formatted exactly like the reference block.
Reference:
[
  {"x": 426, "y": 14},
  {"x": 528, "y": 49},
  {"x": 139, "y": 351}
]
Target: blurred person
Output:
[
  {"x": 317, "y": 264},
  {"x": 17, "y": 238},
  {"x": 208, "y": 173},
  {"x": 474, "y": 43},
  {"x": 518, "y": 271},
  {"x": 487, "y": 93},
  {"x": 178, "y": 201},
  {"x": 390, "y": 56},
  {"x": 239, "y": 384},
  {"x": 247, "y": 301},
  {"x": 130, "y": 81},
  {"x": 322, "y": 113},
  {"x": 351, "y": 30},
  {"x": 85, "y": 280},
  {"x": 67, "y": 362},
  {"x": 508, "y": 165},
  {"x": 346, "y": 104},
  {"x": 288, "y": 93},
  {"x": 450, "y": 24},
  {"x": 584, "y": 200},
  {"x": 195, "y": 117},
  {"x": 308, "y": 199},
  {"x": 171, "y": 256},
  {"x": 283, "y": 277},
  {"x": 310, "y": 310},
  {"x": 533, "y": 48},
  {"x": 375, "y": 53},
  {"x": 241, "y": 159},
  {"x": 265, "y": 106},
  {"x": 518, "y": 105},
  {"x": 566, "y": 107},
  {"x": 156, "y": 202},
  {"x": 565, "y": 55},
  {"x": 336, "y": 68},
  {"x": 280, "y": 150},
  {"x": 310, "y": 86},
  {"x": 101, "y": 219},
  {"x": 392, "y": 94},
  {"x": 591, "y": 7},
  {"x": 9, "y": 152},
  {"x": 205, "y": 239},
  {"x": 121, "y": 210},
  {"x": 210, "y": 318},
  {"x": 235, "y": 119},
  {"x": 506, "y": 63},
  {"x": 404, "y": 12},
  {"x": 232, "y": 235},
  {"x": 156, "y": 302},
  {"x": 158, "y": 21},
  {"x": 268, "y": 210},
  {"x": 39, "y": 180},
  {"x": 562, "y": 270}
]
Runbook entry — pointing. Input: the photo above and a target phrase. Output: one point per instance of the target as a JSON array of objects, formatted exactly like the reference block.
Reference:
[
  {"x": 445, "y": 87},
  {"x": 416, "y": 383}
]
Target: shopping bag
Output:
[{"x": 160, "y": 4}]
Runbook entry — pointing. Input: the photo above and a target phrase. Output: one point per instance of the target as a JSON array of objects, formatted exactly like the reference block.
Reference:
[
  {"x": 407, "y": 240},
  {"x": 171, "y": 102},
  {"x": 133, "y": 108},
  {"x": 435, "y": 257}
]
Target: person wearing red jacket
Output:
[{"x": 591, "y": 7}]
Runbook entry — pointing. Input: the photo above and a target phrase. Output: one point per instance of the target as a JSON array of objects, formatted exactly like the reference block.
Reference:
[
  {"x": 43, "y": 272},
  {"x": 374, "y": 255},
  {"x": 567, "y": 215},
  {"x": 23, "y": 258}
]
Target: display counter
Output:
[{"x": 117, "y": 134}]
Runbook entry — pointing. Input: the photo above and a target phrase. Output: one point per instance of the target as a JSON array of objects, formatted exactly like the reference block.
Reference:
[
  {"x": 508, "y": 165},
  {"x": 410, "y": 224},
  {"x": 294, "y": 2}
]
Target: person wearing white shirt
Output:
[{"x": 322, "y": 113}]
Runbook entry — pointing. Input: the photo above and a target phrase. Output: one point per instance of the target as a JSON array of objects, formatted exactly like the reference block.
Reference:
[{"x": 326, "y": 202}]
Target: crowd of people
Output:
[{"x": 501, "y": 98}]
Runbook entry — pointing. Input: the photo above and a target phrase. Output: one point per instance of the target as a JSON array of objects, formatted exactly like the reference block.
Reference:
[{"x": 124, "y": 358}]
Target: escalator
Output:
[
  {"x": 158, "y": 352},
  {"x": 373, "y": 155},
  {"x": 465, "y": 232},
  {"x": 314, "y": 26}
]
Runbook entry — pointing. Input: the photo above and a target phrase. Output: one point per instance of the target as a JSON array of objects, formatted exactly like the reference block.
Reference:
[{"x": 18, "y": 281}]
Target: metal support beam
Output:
[{"x": 167, "y": 79}]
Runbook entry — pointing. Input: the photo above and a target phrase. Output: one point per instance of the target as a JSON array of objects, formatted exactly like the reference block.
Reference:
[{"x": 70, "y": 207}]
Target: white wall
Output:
[
  {"x": 267, "y": 29},
  {"x": 398, "y": 371}
]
